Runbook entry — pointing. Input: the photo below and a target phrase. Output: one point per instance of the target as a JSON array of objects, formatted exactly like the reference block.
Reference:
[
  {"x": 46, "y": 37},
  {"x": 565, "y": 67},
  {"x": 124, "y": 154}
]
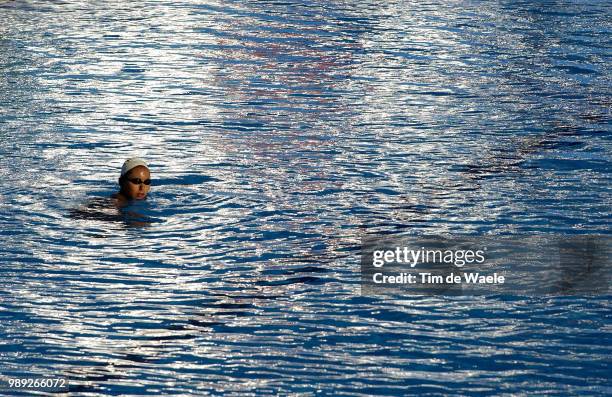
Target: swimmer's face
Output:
[{"x": 133, "y": 186}]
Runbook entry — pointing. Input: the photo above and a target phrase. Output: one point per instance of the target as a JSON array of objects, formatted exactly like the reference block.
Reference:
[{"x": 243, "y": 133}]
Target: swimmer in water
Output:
[{"x": 135, "y": 181}]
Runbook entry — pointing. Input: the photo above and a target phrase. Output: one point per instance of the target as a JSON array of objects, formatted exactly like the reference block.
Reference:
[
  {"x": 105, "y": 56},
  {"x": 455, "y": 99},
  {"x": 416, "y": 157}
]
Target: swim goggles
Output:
[{"x": 138, "y": 181}]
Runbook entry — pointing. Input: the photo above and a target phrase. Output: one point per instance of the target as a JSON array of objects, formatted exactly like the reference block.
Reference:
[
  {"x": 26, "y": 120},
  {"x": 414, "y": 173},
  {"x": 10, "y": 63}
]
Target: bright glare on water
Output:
[{"x": 278, "y": 133}]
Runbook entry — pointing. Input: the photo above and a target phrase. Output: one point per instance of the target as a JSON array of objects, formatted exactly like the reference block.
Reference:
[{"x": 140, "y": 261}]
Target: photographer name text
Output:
[{"x": 429, "y": 278}]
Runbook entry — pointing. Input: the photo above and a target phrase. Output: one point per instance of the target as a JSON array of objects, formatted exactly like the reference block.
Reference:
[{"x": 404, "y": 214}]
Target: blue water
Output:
[{"x": 278, "y": 134}]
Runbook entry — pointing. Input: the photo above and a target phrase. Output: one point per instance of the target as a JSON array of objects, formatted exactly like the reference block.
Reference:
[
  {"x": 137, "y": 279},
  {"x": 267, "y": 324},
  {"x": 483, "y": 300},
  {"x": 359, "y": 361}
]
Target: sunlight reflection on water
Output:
[{"x": 278, "y": 134}]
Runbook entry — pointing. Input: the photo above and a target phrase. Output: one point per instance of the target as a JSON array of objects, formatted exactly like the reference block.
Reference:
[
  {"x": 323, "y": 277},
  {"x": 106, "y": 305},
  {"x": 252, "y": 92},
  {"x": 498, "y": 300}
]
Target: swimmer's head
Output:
[{"x": 135, "y": 180}]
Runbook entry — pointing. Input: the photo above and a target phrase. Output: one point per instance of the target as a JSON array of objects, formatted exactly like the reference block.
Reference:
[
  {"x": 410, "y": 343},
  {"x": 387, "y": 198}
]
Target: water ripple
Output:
[{"x": 278, "y": 134}]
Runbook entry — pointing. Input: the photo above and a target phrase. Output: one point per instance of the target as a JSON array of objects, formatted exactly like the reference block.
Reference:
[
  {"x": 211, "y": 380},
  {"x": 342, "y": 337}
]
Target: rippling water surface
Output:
[{"x": 278, "y": 133}]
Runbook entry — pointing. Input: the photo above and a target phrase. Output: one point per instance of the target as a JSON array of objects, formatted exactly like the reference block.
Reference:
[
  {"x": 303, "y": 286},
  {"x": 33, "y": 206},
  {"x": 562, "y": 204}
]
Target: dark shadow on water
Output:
[
  {"x": 104, "y": 209},
  {"x": 516, "y": 155}
]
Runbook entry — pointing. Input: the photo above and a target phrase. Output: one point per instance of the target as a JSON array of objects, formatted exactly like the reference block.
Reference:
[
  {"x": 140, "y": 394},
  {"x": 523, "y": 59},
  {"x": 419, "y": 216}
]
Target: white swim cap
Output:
[{"x": 132, "y": 163}]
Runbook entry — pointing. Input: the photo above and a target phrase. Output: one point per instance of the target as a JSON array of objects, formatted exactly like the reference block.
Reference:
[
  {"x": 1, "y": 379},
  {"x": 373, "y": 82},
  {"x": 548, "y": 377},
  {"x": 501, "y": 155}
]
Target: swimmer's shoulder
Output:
[{"x": 119, "y": 199}]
